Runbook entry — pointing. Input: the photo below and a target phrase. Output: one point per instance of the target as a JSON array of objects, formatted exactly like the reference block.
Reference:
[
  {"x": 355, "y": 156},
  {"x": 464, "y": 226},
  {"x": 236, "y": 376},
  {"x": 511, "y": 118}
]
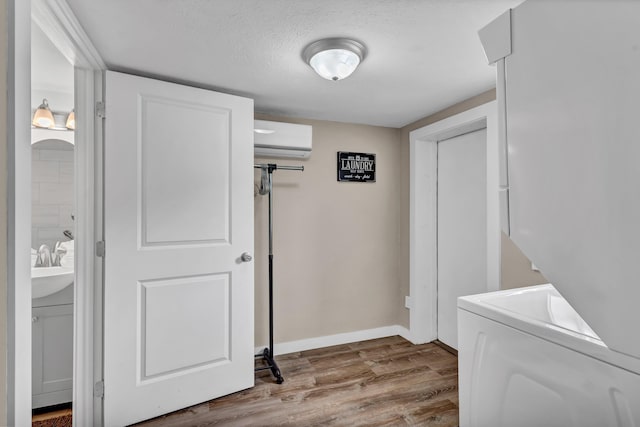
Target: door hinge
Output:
[
  {"x": 100, "y": 249},
  {"x": 100, "y": 110},
  {"x": 98, "y": 389}
]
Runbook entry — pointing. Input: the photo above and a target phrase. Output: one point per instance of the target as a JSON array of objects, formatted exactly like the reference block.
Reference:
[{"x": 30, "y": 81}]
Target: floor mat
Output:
[{"x": 62, "y": 420}]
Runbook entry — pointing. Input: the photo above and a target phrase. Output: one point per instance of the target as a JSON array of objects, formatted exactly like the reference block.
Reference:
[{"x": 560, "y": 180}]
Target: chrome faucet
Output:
[
  {"x": 58, "y": 253},
  {"x": 44, "y": 257}
]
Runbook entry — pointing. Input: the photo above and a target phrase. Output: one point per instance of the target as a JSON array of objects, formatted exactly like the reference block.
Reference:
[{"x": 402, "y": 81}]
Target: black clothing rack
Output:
[{"x": 267, "y": 353}]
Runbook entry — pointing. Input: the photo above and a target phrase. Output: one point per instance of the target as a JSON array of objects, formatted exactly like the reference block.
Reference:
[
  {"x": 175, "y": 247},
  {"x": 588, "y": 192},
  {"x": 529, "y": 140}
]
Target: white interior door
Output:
[
  {"x": 178, "y": 300},
  {"x": 462, "y": 226}
]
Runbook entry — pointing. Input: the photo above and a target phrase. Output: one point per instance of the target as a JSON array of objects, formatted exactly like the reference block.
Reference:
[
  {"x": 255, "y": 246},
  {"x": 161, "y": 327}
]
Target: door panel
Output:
[
  {"x": 162, "y": 333},
  {"x": 462, "y": 226},
  {"x": 193, "y": 173},
  {"x": 178, "y": 214}
]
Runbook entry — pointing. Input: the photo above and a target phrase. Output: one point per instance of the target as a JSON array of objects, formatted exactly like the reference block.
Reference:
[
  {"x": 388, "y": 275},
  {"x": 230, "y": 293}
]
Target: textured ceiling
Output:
[{"x": 424, "y": 55}]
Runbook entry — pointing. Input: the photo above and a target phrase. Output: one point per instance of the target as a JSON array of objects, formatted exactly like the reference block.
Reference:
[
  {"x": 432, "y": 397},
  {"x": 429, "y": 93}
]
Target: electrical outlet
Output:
[{"x": 407, "y": 302}]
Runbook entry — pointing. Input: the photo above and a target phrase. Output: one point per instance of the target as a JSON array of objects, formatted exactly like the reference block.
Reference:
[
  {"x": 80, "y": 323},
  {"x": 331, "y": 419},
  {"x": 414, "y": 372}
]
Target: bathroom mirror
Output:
[{"x": 52, "y": 171}]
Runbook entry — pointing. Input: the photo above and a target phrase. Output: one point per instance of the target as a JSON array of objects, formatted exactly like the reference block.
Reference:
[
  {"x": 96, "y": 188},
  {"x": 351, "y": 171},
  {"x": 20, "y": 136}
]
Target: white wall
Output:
[
  {"x": 335, "y": 243},
  {"x": 51, "y": 74},
  {"x": 51, "y": 192}
]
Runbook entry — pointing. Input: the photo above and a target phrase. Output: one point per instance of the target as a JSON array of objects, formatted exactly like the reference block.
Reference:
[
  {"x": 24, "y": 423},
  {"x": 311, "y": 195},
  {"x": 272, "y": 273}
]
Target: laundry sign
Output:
[{"x": 356, "y": 167}]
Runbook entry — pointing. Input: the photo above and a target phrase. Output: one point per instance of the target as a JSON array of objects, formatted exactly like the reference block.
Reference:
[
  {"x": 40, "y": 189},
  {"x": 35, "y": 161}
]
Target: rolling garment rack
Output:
[{"x": 266, "y": 187}]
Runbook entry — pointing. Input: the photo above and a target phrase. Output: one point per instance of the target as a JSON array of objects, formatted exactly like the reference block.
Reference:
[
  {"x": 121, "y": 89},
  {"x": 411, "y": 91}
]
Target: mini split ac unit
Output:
[{"x": 276, "y": 139}]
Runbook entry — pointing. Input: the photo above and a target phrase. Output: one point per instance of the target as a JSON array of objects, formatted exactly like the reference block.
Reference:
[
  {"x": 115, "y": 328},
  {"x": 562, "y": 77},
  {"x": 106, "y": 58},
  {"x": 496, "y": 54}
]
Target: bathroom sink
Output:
[{"x": 49, "y": 280}]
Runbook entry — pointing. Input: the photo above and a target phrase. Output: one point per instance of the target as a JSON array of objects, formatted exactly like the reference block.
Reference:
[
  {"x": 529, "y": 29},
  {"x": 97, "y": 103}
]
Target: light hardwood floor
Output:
[{"x": 383, "y": 382}]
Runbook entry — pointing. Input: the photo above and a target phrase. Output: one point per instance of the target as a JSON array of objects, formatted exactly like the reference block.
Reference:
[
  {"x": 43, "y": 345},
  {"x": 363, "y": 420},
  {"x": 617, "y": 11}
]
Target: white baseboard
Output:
[{"x": 344, "y": 338}]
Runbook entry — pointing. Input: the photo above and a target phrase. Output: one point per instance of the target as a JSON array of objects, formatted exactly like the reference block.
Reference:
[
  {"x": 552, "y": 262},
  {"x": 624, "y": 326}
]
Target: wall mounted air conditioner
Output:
[{"x": 276, "y": 139}]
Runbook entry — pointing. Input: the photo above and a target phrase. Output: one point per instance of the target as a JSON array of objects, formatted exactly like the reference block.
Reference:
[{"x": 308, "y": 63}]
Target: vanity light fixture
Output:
[
  {"x": 334, "y": 58},
  {"x": 43, "y": 118},
  {"x": 71, "y": 120}
]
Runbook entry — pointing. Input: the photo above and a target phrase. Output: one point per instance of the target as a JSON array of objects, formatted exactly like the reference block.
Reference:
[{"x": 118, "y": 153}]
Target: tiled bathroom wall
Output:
[{"x": 51, "y": 192}]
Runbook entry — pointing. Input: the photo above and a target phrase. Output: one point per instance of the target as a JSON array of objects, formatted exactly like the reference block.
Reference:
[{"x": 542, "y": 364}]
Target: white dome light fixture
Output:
[{"x": 335, "y": 58}]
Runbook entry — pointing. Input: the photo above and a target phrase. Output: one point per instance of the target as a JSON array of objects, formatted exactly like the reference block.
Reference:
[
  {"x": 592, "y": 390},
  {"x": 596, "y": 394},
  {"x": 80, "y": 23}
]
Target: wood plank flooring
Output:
[{"x": 383, "y": 382}]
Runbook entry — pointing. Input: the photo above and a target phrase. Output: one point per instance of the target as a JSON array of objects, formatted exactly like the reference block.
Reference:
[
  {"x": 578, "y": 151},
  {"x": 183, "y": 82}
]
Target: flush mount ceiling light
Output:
[
  {"x": 334, "y": 58},
  {"x": 43, "y": 118}
]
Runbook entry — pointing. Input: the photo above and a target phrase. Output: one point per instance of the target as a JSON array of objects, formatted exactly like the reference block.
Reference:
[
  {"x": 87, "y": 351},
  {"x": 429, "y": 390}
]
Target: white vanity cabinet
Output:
[{"x": 52, "y": 349}]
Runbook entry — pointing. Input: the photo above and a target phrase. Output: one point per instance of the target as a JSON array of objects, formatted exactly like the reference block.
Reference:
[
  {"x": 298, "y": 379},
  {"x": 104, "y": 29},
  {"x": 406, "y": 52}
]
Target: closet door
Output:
[
  {"x": 462, "y": 226},
  {"x": 178, "y": 299}
]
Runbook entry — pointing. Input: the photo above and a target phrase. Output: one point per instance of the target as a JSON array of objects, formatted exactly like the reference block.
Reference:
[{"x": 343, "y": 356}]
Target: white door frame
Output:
[
  {"x": 59, "y": 23},
  {"x": 18, "y": 212},
  {"x": 423, "y": 276}
]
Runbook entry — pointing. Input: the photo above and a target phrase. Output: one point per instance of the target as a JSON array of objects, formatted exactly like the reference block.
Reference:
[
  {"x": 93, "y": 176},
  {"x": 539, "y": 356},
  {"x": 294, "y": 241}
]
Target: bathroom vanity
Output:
[{"x": 52, "y": 348}]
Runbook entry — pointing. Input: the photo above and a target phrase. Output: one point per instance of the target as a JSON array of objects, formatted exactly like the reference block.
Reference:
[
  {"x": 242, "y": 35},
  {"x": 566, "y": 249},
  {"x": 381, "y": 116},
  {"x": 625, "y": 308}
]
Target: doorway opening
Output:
[
  {"x": 423, "y": 318},
  {"x": 52, "y": 234},
  {"x": 58, "y": 24},
  {"x": 461, "y": 233}
]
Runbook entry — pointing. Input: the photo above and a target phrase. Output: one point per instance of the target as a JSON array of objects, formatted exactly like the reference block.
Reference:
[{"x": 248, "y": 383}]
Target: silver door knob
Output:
[{"x": 246, "y": 257}]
